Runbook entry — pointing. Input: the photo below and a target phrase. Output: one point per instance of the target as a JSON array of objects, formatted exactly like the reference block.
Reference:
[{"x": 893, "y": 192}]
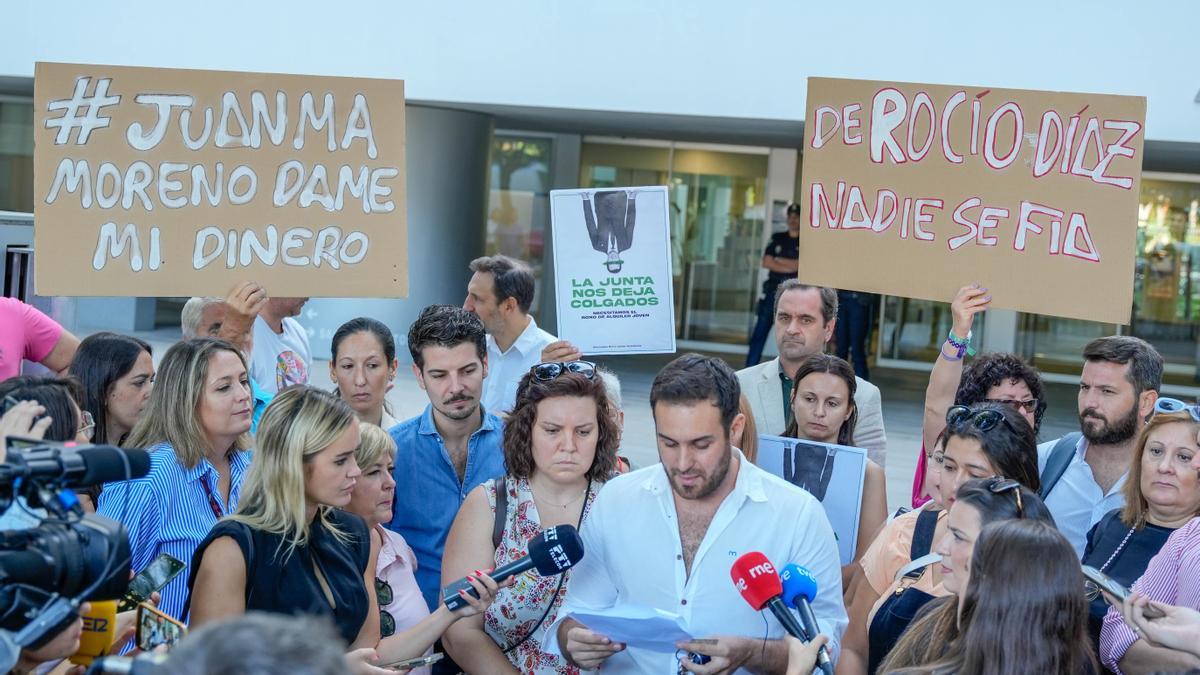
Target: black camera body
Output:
[{"x": 47, "y": 571}]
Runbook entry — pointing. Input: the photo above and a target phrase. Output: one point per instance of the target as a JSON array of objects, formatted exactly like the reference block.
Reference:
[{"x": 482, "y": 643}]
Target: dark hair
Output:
[
  {"x": 445, "y": 326},
  {"x": 1146, "y": 364},
  {"x": 518, "y": 429},
  {"x": 934, "y": 635},
  {"x": 55, "y": 394},
  {"x": 829, "y": 300},
  {"x": 513, "y": 279},
  {"x": 365, "y": 324},
  {"x": 997, "y": 368},
  {"x": 262, "y": 643},
  {"x": 692, "y": 378},
  {"x": 827, "y": 363},
  {"x": 1010, "y": 446},
  {"x": 101, "y": 360}
]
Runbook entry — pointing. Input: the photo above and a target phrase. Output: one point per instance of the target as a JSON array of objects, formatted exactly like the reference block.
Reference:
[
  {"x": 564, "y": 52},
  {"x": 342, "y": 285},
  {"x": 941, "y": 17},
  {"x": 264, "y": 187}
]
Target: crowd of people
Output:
[{"x": 291, "y": 503}]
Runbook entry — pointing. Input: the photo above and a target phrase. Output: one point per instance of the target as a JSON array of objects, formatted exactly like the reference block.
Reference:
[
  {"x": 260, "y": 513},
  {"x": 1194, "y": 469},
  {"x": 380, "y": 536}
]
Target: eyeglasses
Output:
[
  {"x": 1001, "y": 485},
  {"x": 87, "y": 425},
  {"x": 1029, "y": 406},
  {"x": 984, "y": 420},
  {"x": 548, "y": 371},
  {"x": 1174, "y": 405},
  {"x": 383, "y": 592}
]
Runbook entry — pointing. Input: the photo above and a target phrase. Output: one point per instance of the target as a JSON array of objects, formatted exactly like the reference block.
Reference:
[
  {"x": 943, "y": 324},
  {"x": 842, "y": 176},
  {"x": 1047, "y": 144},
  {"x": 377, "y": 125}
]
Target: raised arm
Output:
[{"x": 948, "y": 366}]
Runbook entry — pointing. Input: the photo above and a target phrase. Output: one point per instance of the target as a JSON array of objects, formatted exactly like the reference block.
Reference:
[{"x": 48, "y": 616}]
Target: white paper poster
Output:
[
  {"x": 612, "y": 270},
  {"x": 833, "y": 474}
]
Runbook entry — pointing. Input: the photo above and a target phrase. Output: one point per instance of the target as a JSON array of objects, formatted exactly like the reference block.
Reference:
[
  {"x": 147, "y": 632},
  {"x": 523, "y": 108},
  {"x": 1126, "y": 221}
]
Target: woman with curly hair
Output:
[{"x": 560, "y": 446}]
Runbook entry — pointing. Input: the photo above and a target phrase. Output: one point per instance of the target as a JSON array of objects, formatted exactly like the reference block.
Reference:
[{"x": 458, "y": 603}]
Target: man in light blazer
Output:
[{"x": 804, "y": 320}]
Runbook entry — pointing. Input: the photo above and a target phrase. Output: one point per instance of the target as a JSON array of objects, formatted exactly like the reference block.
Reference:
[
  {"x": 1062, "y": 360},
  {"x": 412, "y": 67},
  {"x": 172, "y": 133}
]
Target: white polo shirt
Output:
[
  {"x": 1077, "y": 502},
  {"x": 505, "y": 369},
  {"x": 633, "y": 556}
]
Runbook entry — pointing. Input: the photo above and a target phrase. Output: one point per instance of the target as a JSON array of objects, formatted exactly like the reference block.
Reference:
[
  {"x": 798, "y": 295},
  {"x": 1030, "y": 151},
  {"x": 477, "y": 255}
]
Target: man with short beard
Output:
[
  {"x": 666, "y": 537},
  {"x": 1083, "y": 473},
  {"x": 451, "y": 447}
]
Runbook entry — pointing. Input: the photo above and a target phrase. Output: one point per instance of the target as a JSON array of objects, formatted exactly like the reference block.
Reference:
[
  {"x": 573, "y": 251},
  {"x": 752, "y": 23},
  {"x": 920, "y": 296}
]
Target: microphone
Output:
[
  {"x": 552, "y": 551},
  {"x": 75, "y": 465},
  {"x": 799, "y": 590},
  {"x": 760, "y": 585},
  {"x": 99, "y": 631}
]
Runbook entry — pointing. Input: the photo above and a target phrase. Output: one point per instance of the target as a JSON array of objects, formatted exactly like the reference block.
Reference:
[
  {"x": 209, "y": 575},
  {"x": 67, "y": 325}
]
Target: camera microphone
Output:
[{"x": 74, "y": 464}]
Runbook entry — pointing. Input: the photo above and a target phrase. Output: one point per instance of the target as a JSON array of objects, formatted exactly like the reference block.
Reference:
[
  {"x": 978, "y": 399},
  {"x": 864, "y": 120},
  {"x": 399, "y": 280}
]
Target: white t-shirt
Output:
[{"x": 279, "y": 361}]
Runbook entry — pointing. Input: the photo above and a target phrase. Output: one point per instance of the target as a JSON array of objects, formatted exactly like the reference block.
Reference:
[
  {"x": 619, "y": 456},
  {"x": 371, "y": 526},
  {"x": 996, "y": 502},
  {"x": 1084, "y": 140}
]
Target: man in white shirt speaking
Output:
[{"x": 665, "y": 537}]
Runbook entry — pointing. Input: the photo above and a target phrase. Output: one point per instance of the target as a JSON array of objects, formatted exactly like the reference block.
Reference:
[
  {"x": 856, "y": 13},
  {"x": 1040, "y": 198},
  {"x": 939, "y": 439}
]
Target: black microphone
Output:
[
  {"x": 142, "y": 664},
  {"x": 800, "y": 589},
  {"x": 74, "y": 465},
  {"x": 552, "y": 551}
]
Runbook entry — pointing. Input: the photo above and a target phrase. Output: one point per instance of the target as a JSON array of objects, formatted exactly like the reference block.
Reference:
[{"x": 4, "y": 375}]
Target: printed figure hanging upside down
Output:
[{"x": 610, "y": 224}]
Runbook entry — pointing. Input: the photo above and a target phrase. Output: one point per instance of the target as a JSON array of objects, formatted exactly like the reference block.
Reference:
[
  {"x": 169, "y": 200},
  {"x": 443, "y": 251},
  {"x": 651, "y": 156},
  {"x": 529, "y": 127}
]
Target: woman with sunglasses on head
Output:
[
  {"x": 897, "y": 574},
  {"x": 995, "y": 378},
  {"x": 560, "y": 445},
  {"x": 1172, "y": 577},
  {"x": 1162, "y": 493},
  {"x": 1008, "y": 617},
  {"x": 823, "y": 410}
]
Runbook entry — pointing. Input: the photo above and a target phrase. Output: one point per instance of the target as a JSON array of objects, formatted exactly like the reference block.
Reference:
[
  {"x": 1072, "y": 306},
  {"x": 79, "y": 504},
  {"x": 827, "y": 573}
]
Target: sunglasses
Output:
[
  {"x": 1001, "y": 485},
  {"x": 1029, "y": 406},
  {"x": 1174, "y": 405},
  {"x": 385, "y": 596},
  {"x": 984, "y": 420},
  {"x": 548, "y": 371}
]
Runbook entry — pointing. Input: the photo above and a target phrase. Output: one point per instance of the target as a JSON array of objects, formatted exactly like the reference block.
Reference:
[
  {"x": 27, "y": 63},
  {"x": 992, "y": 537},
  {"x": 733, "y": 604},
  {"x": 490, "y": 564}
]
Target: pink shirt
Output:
[
  {"x": 396, "y": 566},
  {"x": 25, "y": 333},
  {"x": 1172, "y": 577}
]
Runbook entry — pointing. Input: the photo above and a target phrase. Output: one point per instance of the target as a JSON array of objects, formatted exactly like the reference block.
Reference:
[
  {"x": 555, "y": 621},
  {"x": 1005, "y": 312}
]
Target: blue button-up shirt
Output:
[
  {"x": 167, "y": 511},
  {"x": 428, "y": 491}
]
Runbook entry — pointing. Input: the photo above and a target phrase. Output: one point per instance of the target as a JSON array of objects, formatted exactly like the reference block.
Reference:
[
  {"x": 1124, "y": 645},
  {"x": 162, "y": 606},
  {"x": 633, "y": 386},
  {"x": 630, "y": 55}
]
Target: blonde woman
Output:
[
  {"x": 403, "y": 615},
  {"x": 290, "y": 548},
  {"x": 196, "y": 428}
]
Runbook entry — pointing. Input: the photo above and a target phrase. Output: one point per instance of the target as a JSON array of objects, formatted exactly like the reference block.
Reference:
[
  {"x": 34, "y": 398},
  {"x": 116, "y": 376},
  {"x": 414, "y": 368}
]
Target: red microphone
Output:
[{"x": 759, "y": 583}]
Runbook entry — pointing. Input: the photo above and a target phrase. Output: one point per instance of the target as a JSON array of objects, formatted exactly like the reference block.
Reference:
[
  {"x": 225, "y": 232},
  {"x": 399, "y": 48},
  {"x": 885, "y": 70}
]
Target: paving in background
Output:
[{"x": 903, "y": 404}]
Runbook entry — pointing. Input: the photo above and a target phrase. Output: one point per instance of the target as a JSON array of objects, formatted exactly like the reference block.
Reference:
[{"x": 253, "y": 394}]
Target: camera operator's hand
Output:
[{"x": 25, "y": 419}]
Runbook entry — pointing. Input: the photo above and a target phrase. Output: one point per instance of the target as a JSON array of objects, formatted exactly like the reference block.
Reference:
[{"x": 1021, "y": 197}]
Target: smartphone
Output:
[
  {"x": 157, "y": 574},
  {"x": 1116, "y": 590},
  {"x": 419, "y": 662},
  {"x": 155, "y": 628}
]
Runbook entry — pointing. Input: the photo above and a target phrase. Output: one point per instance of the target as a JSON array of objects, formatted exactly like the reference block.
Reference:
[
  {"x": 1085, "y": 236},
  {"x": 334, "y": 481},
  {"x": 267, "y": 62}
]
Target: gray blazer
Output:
[{"x": 761, "y": 386}]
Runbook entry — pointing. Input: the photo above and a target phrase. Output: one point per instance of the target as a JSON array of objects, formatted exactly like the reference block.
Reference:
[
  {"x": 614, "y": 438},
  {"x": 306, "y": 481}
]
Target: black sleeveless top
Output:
[{"x": 286, "y": 584}]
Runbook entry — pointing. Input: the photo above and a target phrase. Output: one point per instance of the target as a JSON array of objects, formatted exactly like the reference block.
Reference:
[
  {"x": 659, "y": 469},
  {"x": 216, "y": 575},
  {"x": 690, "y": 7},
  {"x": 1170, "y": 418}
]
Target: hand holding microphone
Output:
[
  {"x": 799, "y": 590},
  {"x": 761, "y": 586},
  {"x": 553, "y": 551}
]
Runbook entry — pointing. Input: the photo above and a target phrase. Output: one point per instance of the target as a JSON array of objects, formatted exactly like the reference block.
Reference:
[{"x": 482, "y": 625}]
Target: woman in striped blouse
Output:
[{"x": 196, "y": 426}]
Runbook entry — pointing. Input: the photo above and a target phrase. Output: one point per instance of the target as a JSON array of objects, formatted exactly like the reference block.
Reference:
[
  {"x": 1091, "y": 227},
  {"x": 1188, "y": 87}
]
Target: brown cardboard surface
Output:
[
  {"x": 79, "y": 254},
  {"x": 1063, "y": 276}
]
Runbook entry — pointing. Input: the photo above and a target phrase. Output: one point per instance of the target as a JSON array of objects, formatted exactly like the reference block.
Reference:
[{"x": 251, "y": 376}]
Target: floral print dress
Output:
[{"x": 517, "y": 609}]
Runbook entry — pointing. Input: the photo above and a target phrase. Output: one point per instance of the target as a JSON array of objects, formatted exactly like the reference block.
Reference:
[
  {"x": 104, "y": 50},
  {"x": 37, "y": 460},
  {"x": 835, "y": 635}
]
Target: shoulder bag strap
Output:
[
  {"x": 501, "y": 511},
  {"x": 1057, "y": 463}
]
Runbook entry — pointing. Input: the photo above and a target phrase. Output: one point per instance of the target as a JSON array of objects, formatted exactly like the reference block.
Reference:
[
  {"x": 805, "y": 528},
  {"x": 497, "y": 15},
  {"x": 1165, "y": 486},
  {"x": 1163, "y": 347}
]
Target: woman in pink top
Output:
[
  {"x": 402, "y": 610},
  {"x": 27, "y": 334}
]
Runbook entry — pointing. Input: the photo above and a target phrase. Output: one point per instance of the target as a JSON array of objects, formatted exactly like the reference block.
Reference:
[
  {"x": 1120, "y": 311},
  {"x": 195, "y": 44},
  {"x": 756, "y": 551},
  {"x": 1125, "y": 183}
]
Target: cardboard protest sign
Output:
[
  {"x": 916, "y": 190},
  {"x": 153, "y": 181},
  {"x": 612, "y": 269},
  {"x": 834, "y": 474}
]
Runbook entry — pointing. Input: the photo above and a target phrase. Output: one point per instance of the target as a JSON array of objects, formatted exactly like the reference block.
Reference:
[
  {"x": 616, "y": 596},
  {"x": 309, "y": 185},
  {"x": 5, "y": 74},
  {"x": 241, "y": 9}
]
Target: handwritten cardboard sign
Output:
[
  {"x": 152, "y": 181},
  {"x": 916, "y": 190}
]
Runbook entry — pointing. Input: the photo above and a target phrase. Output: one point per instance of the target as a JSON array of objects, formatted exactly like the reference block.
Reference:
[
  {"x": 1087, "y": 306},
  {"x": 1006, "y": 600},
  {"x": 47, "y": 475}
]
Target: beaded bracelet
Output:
[{"x": 961, "y": 345}]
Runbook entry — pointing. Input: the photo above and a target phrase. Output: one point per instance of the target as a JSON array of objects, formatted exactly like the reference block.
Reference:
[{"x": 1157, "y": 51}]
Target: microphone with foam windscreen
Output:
[
  {"x": 552, "y": 551},
  {"x": 799, "y": 591},
  {"x": 99, "y": 631},
  {"x": 759, "y": 583},
  {"x": 74, "y": 465}
]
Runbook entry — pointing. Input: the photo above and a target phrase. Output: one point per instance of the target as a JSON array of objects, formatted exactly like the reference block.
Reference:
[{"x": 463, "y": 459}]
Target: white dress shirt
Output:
[
  {"x": 1077, "y": 502},
  {"x": 505, "y": 369},
  {"x": 633, "y": 556}
]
